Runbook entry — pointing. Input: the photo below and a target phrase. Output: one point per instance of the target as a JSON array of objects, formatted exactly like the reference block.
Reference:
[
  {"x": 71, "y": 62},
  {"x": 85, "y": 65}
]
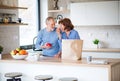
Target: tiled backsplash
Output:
[
  {"x": 9, "y": 38},
  {"x": 108, "y": 36}
]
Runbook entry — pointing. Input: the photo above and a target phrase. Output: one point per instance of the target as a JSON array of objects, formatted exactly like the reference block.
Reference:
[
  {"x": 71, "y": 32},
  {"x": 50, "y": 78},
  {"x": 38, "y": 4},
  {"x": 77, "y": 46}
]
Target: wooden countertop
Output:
[
  {"x": 6, "y": 58},
  {"x": 102, "y": 50}
]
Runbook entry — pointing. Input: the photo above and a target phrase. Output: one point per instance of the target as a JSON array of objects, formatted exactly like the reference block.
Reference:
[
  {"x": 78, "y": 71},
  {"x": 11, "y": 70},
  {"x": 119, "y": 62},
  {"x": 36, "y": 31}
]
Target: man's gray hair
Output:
[{"x": 49, "y": 18}]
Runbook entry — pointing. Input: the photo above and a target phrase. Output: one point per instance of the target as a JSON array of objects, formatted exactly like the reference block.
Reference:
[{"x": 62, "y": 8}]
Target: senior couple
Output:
[{"x": 54, "y": 36}]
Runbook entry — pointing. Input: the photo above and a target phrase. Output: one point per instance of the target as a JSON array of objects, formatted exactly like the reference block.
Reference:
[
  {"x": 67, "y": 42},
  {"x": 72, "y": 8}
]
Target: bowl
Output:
[{"x": 19, "y": 57}]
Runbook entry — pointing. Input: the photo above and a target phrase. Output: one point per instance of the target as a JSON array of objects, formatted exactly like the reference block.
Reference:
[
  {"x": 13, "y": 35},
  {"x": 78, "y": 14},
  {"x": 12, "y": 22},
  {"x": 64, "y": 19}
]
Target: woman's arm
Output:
[
  {"x": 77, "y": 35},
  {"x": 59, "y": 33}
]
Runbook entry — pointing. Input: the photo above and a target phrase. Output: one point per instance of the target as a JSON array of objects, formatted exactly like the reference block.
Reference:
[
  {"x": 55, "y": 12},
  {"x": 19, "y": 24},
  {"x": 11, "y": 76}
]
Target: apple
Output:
[
  {"x": 48, "y": 44},
  {"x": 15, "y": 51}
]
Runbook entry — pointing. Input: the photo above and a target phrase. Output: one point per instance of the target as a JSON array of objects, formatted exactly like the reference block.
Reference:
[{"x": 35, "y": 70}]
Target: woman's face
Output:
[{"x": 62, "y": 27}]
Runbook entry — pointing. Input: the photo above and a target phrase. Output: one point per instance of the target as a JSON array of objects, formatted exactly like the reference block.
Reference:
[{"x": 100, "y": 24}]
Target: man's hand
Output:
[{"x": 46, "y": 47}]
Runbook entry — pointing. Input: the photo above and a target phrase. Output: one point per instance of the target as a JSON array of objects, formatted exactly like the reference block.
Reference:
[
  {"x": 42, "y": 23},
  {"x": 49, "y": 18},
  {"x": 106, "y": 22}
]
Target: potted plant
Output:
[
  {"x": 1, "y": 49},
  {"x": 96, "y": 42}
]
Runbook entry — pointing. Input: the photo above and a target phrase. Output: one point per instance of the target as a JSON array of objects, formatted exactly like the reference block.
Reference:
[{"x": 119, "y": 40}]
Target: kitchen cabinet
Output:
[
  {"x": 119, "y": 12},
  {"x": 95, "y": 13},
  {"x": 11, "y": 8}
]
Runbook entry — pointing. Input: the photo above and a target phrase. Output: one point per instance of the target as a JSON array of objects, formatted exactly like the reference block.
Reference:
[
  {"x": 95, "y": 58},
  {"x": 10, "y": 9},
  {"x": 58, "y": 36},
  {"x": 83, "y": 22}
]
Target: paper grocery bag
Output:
[{"x": 72, "y": 49}]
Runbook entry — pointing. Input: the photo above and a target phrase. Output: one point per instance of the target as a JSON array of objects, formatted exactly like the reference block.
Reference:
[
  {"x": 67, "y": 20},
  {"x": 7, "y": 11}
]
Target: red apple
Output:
[
  {"x": 15, "y": 51},
  {"x": 49, "y": 44}
]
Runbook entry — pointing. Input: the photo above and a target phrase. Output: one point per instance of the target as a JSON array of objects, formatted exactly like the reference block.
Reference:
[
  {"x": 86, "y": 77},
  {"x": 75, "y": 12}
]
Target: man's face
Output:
[{"x": 50, "y": 24}]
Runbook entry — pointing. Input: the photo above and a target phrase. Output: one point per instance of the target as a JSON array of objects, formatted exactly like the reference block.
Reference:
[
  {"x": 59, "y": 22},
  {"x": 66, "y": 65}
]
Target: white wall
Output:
[
  {"x": 108, "y": 35},
  {"x": 9, "y": 38},
  {"x": 44, "y": 12}
]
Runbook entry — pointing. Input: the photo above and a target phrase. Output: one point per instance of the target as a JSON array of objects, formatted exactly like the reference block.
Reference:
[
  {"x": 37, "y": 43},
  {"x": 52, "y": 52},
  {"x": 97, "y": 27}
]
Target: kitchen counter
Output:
[
  {"x": 58, "y": 61},
  {"x": 102, "y": 50},
  {"x": 62, "y": 68}
]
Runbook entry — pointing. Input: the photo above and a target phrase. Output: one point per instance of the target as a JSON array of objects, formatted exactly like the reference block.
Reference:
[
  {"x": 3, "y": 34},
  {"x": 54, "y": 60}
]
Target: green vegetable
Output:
[
  {"x": 96, "y": 41},
  {"x": 1, "y": 49}
]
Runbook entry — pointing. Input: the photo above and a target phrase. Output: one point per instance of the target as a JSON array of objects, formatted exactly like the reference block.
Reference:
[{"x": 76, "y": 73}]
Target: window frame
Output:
[{"x": 31, "y": 46}]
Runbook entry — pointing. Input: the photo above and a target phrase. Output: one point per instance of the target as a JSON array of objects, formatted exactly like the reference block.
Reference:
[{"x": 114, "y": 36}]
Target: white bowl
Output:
[{"x": 19, "y": 57}]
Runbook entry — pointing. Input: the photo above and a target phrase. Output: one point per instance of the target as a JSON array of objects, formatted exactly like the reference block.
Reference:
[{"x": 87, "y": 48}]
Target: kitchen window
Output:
[{"x": 32, "y": 17}]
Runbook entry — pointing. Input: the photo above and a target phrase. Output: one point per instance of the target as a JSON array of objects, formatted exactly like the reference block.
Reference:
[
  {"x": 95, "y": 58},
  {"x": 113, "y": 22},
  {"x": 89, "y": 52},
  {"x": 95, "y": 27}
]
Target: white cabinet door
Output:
[
  {"x": 95, "y": 13},
  {"x": 119, "y": 13}
]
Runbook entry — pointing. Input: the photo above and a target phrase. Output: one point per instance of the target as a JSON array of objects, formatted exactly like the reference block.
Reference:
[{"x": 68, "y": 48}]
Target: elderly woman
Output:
[{"x": 66, "y": 31}]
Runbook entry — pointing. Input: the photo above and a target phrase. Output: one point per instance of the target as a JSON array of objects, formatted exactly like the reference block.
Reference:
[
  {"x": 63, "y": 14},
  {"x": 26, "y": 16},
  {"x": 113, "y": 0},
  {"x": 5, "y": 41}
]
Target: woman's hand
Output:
[
  {"x": 58, "y": 55},
  {"x": 58, "y": 32}
]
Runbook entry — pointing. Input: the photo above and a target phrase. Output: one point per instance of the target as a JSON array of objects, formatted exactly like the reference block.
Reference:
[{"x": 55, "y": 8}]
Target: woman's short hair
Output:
[{"x": 67, "y": 23}]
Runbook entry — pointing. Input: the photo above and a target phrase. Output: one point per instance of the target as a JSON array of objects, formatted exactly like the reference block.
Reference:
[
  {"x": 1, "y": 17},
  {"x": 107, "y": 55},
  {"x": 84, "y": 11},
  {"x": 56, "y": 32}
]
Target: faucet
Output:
[{"x": 34, "y": 49}]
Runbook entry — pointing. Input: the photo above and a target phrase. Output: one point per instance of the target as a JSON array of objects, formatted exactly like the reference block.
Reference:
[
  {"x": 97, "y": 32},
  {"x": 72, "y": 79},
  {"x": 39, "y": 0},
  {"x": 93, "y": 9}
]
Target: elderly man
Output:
[{"x": 47, "y": 39}]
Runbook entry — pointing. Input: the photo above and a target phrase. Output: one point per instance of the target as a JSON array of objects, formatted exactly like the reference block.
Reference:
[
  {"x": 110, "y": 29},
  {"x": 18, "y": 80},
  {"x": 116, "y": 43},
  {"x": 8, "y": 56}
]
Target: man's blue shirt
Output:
[{"x": 48, "y": 37}]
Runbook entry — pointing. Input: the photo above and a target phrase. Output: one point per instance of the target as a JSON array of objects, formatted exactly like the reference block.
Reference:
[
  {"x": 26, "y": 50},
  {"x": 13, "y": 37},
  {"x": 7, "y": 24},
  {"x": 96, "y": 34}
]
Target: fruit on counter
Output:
[
  {"x": 23, "y": 52},
  {"x": 48, "y": 44},
  {"x": 12, "y": 52},
  {"x": 18, "y": 51}
]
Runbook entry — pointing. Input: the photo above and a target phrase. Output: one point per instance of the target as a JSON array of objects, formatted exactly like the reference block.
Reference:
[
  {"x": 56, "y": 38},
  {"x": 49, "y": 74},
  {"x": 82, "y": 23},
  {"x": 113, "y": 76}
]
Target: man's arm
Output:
[{"x": 39, "y": 40}]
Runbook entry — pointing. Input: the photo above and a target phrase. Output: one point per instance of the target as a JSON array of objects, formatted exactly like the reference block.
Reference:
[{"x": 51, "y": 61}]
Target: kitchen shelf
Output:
[
  {"x": 57, "y": 11},
  {"x": 12, "y": 7},
  {"x": 102, "y": 50},
  {"x": 12, "y": 24}
]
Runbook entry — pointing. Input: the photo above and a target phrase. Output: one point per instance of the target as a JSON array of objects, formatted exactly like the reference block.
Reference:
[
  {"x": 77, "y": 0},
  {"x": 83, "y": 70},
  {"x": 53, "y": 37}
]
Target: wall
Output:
[
  {"x": 44, "y": 12},
  {"x": 9, "y": 35},
  {"x": 9, "y": 38},
  {"x": 108, "y": 35}
]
